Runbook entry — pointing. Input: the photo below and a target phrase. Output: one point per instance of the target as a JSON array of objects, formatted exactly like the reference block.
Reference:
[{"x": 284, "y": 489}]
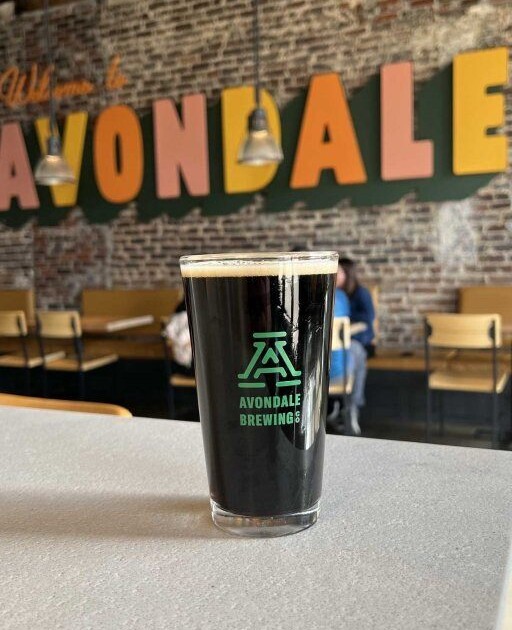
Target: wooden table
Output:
[
  {"x": 104, "y": 523},
  {"x": 106, "y": 324}
]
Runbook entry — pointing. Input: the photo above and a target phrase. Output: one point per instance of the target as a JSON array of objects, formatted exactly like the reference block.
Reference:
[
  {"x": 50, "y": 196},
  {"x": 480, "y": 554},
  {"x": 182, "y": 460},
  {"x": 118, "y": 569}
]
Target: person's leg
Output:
[{"x": 359, "y": 370}]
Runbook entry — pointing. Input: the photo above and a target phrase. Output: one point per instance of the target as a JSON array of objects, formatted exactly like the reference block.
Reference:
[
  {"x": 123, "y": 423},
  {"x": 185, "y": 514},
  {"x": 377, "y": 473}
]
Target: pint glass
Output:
[{"x": 261, "y": 333}]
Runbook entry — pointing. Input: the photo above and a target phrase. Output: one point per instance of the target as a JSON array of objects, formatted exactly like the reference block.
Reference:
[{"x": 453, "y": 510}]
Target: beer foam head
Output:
[{"x": 259, "y": 264}]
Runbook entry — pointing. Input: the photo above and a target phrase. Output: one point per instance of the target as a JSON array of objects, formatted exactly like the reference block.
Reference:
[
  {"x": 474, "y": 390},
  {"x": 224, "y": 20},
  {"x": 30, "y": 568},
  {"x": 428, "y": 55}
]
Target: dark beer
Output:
[{"x": 261, "y": 341}]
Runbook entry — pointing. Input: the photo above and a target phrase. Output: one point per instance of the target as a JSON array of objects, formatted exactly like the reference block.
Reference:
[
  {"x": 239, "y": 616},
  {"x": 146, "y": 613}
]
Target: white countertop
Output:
[{"x": 104, "y": 523}]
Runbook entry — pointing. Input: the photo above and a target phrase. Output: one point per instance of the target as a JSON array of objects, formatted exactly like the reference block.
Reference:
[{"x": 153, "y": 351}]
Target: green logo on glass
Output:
[{"x": 269, "y": 358}]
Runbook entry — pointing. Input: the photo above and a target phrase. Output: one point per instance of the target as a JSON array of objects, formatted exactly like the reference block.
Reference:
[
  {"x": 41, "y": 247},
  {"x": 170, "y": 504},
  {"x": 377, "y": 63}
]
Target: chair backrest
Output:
[
  {"x": 13, "y": 324},
  {"x": 340, "y": 333},
  {"x": 19, "y": 300},
  {"x": 59, "y": 324},
  {"x": 487, "y": 299},
  {"x": 454, "y": 330},
  {"x": 132, "y": 303},
  {"x": 10, "y": 400}
]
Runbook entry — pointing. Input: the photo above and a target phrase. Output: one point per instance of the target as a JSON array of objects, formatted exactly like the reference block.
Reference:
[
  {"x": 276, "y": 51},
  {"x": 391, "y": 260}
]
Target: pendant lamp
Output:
[
  {"x": 259, "y": 146},
  {"x": 52, "y": 168}
]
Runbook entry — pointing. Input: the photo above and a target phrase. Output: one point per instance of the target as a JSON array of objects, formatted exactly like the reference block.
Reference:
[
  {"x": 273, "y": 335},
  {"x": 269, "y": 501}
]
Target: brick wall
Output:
[{"x": 418, "y": 253}]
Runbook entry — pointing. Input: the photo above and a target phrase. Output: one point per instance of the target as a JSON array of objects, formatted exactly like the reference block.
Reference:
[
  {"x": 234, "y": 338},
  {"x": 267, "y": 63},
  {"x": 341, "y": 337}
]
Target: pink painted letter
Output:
[
  {"x": 402, "y": 157},
  {"x": 16, "y": 178},
  {"x": 181, "y": 147}
]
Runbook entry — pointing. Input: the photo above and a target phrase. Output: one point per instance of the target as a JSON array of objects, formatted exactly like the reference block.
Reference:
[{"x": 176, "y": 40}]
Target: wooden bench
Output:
[
  {"x": 19, "y": 300},
  {"x": 488, "y": 300},
  {"x": 399, "y": 360},
  {"x": 140, "y": 343},
  {"x": 483, "y": 300}
]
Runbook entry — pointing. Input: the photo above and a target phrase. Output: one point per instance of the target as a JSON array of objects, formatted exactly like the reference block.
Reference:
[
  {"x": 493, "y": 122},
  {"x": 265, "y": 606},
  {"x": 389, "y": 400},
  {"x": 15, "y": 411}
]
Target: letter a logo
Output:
[{"x": 269, "y": 358}]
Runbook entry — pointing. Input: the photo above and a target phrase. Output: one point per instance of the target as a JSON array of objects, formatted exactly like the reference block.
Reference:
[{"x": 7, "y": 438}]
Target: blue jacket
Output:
[
  {"x": 340, "y": 358},
  {"x": 362, "y": 310}
]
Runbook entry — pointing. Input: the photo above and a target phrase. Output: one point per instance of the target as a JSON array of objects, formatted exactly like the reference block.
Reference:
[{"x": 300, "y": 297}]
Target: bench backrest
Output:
[
  {"x": 131, "y": 303},
  {"x": 487, "y": 299},
  {"x": 19, "y": 300}
]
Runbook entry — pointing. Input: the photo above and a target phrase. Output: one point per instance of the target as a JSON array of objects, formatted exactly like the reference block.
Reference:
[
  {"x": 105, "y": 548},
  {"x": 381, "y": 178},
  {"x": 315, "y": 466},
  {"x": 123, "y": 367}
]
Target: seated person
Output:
[
  {"x": 361, "y": 305},
  {"x": 357, "y": 354},
  {"x": 178, "y": 333}
]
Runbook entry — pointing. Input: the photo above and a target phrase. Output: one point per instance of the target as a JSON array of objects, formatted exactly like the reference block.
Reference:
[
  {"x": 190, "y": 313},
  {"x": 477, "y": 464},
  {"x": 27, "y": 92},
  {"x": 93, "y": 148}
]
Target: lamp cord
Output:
[
  {"x": 49, "y": 55},
  {"x": 256, "y": 44}
]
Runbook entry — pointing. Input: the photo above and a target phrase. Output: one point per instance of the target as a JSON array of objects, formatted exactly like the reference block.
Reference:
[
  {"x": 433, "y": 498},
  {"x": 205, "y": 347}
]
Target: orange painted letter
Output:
[
  {"x": 118, "y": 154},
  {"x": 402, "y": 157},
  {"x": 181, "y": 147},
  {"x": 327, "y": 137}
]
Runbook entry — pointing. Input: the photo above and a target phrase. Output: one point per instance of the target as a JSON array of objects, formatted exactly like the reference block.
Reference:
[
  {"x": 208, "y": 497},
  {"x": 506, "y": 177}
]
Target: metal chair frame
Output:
[{"x": 79, "y": 353}]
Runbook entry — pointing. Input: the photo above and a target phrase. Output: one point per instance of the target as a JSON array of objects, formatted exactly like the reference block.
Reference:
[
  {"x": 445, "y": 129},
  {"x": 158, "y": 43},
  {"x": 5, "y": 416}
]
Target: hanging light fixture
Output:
[
  {"x": 259, "y": 146},
  {"x": 52, "y": 168}
]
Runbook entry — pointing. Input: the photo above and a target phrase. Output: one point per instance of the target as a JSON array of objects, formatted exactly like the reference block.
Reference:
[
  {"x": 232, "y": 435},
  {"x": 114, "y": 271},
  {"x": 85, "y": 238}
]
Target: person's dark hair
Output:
[{"x": 351, "y": 281}]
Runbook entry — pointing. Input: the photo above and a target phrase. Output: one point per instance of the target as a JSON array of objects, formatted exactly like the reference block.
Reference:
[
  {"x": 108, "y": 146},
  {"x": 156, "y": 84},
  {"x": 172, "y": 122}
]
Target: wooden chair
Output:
[
  {"x": 17, "y": 300},
  {"x": 9, "y": 400},
  {"x": 465, "y": 332},
  {"x": 13, "y": 325},
  {"x": 341, "y": 388},
  {"x": 65, "y": 325},
  {"x": 173, "y": 380}
]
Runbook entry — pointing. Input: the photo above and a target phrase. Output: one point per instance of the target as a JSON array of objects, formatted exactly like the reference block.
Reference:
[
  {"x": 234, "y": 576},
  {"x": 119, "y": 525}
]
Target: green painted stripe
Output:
[
  {"x": 251, "y": 385},
  {"x": 287, "y": 383},
  {"x": 268, "y": 335}
]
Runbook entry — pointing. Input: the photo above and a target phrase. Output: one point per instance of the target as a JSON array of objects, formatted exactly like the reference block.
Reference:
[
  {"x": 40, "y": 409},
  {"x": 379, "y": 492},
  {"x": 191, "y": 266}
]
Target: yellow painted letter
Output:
[
  {"x": 237, "y": 104},
  {"x": 475, "y": 112},
  {"x": 65, "y": 195}
]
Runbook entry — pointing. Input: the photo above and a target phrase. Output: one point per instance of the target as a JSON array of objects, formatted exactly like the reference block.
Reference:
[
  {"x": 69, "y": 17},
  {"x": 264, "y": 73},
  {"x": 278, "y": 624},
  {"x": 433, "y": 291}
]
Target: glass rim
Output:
[
  {"x": 256, "y": 257},
  {"x": 237, "y": 264}
]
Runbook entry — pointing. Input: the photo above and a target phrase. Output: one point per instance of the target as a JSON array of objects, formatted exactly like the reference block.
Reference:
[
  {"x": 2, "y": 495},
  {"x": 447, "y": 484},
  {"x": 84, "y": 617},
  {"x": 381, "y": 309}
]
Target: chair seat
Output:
[
  {"x": 468, "y": 378},
  {"x": 70, "y": 364},
  {"x": 18, "y": 360},
  {"x": 477, "y": 356},
  {"x": 178, "y": 380},
  {"x": 337, "y": 387}
]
